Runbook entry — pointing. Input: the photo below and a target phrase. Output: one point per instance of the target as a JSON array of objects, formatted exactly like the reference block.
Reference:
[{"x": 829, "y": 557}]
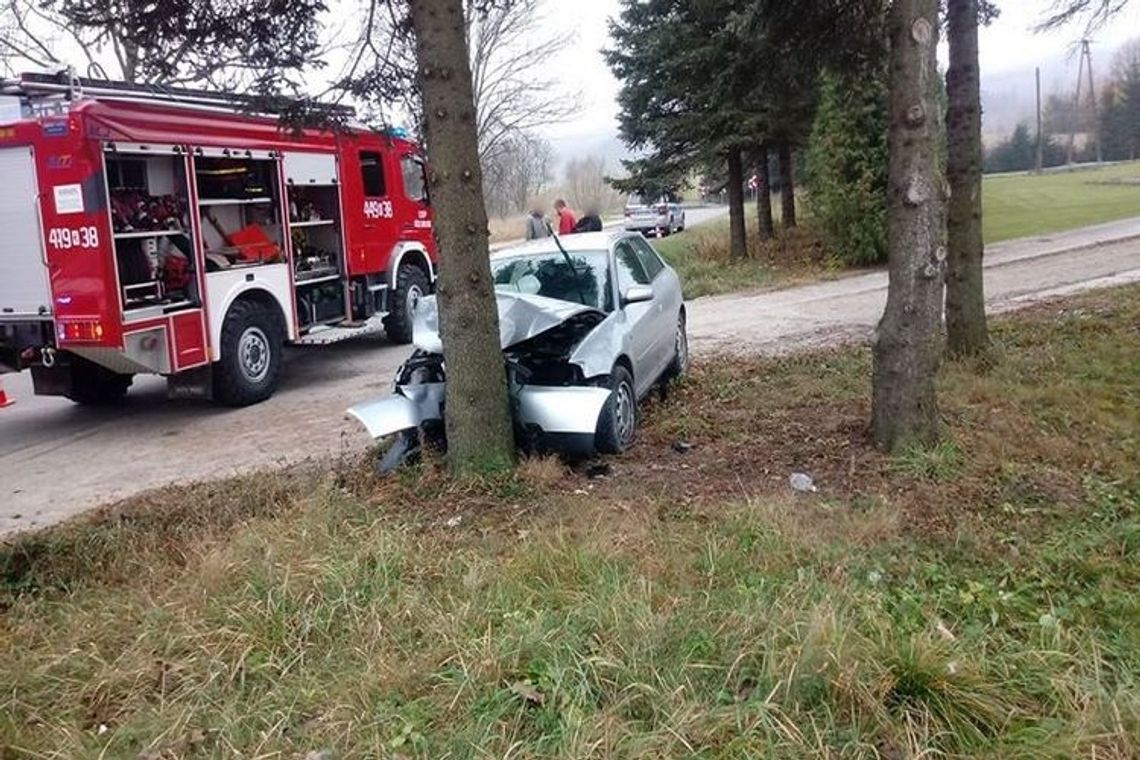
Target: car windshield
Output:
[{"x": 549, "y": 275}]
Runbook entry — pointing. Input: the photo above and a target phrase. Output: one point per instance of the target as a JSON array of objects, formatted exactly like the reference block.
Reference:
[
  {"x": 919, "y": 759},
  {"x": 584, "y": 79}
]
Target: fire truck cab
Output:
[{"x": 174, "y": 232}]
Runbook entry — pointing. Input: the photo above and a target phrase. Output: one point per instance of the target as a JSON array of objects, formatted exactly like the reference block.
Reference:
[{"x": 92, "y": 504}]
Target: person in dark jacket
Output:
[{"x": 590, "y": 222}]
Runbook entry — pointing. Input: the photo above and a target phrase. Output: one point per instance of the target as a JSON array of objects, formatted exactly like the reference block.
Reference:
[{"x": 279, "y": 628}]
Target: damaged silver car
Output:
[{"x": 589, "y": 324}]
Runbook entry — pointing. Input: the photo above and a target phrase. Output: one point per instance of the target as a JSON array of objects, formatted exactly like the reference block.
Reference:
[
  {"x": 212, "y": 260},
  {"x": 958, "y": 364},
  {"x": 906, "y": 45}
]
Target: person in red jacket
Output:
[{"x": 566, "y": 218}]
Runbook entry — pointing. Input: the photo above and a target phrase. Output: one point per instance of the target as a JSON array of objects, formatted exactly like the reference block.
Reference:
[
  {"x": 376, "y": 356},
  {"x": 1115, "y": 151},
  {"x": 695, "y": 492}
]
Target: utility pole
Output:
[
  {"x": 1040, "y": 136},
  {"x": 1087, "y": 51},
  {"x": 1085, "y": 65}
]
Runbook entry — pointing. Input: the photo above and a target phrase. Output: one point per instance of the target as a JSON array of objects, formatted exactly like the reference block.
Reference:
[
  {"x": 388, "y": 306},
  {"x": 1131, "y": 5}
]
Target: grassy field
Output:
[
  {"x": 977, "y": 599},
  {"x": 1023, "y": 205}
]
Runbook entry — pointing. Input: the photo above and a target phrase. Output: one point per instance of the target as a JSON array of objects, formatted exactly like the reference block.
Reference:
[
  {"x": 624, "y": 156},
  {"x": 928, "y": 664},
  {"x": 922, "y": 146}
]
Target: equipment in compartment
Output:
[
  {"x": 320, "y": 302},
  {"x": 235, "y": 179},
  {"x": 134, "y": 210},
  {"x": 238, "y": 206},
  {"x": 317, "y": 204},
  {"x": 318, "y": 259},
  {"x": 154, "y": 251},
  {"x": 155, "y": 270}
]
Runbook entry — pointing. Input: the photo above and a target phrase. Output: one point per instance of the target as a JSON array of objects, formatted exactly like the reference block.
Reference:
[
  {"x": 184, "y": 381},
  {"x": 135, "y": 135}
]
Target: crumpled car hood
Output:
[{"x": 521, "y": 317}]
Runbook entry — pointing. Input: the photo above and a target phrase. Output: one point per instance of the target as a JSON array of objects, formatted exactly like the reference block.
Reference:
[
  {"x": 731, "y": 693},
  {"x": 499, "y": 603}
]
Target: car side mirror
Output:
[{"x": 637, "y": 294}]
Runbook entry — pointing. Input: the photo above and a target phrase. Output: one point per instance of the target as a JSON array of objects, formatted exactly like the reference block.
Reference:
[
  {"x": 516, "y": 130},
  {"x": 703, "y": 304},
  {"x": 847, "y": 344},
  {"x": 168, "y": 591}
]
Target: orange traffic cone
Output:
[{"x": 4, "y": 400}]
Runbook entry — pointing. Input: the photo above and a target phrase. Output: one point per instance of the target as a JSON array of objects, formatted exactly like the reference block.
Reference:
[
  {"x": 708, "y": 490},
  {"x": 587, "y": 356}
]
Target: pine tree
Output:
[{"x": 847, "y": 165}]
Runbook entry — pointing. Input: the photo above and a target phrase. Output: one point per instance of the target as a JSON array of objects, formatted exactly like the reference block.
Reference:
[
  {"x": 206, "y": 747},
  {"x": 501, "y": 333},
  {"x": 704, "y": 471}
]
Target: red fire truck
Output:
[{"x": 175, "y": 232}]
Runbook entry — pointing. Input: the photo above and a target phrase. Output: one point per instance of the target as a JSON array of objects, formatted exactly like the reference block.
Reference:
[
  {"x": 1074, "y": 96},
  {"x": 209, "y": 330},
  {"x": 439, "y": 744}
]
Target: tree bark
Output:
[
  {"x": 907, "y": 341},
  {"x": 787, "y": 185},
  {"x": 966, "y": 329},
  {"x": 480, "y": 435},
  {"x": 738, "y": 244},
  {"x": 766, "y": 227}
]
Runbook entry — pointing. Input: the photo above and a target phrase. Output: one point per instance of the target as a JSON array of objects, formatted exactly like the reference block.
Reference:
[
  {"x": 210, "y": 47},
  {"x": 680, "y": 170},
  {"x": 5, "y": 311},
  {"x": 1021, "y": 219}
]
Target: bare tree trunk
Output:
[
  {"x": 764, "y": 195},
  {"x": 966, "y": 329},
  {"x": 787, "y": 185},
  {"x": 479, "y": 432},
  {"x": 738, "y": 244},
  {"x": 907, "y": 341}
]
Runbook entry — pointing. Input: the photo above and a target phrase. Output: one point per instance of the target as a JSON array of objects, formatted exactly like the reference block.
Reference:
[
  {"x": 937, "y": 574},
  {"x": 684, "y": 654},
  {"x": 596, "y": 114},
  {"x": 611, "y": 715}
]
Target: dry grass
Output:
[
  {"x": 976, "y": 599},
  {"x": 701, "y": 257},
  {"x": 504, "y": 229}
]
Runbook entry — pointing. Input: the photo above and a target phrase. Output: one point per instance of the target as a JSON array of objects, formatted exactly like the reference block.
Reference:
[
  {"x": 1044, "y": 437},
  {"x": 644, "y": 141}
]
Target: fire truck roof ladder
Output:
[{"x": 66, "y": 84}]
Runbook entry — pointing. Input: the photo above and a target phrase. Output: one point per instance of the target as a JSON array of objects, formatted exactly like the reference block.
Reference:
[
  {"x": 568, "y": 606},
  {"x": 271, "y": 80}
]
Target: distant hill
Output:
[
  {"x": 587, "y": 144},
  {"x": 1009, "y": 98}
]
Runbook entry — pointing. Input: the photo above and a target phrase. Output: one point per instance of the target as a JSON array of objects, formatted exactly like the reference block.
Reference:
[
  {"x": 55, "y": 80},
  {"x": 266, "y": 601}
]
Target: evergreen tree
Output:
[
  {"x": 719, "y": 78},
  {"x": 1017, "y": 153},
  {"x": 1119, "y": 125},
  {"x": 847, "y": 165}
]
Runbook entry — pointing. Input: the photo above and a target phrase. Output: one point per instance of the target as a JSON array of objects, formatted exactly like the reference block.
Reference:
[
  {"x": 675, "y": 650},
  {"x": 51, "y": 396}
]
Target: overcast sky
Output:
[{"x": 1008, "y": 45}]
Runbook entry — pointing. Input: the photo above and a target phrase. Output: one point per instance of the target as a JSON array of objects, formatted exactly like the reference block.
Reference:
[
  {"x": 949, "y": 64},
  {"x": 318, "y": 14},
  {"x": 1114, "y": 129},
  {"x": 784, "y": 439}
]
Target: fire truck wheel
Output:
[
  {"x": 251, "y": 346},
  {"x": 92, "y": 385},
  {"x": 411, "y": 285}
]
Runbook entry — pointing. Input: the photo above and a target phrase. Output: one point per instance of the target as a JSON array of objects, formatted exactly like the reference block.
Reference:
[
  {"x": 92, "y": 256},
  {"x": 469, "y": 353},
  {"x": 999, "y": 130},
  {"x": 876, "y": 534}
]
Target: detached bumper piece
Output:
[{"x": 406, "y": 409}]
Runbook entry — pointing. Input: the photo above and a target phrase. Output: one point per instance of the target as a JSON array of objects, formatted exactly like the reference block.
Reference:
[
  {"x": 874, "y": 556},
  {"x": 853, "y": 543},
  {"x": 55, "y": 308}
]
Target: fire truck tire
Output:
[
  {"x": 411, "y": 285},
  {"x": 92, "y": 385},
  {"x": 252, "y": 348}
]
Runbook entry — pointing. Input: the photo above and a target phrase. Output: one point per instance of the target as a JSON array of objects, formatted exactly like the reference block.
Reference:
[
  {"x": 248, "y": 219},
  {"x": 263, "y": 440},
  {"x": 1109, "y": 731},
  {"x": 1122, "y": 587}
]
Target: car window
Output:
[
  {"x": 634, "y": 200},
  {"x": 628, "y": 265},
  {"x": 550, "y": 275},
  {"x": 372, "y": 174},
  {"x": 649, "y": 259}
]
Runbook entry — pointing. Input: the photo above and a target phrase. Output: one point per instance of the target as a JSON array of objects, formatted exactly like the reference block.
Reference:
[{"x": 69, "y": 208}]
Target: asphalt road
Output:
[{"x": 57, "y": 459}]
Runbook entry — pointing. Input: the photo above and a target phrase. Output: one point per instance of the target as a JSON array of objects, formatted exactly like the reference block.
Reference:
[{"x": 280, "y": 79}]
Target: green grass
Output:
[
  {"x": 977, "y": 599},
  {"x": 1023, "y": 205}
]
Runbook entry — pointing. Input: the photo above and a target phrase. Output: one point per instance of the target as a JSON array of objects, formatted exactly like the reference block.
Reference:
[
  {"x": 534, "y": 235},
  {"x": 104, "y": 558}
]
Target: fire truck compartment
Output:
[
  {"x": 317, "y": 241},
  {"x": 24, "y": 289},
  {"x": 148, "y": 197}
]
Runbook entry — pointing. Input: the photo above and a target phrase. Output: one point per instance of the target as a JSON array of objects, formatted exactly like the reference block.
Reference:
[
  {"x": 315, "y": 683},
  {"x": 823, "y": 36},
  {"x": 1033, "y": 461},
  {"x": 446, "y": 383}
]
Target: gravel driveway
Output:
[{"x": 57, "y": 459}]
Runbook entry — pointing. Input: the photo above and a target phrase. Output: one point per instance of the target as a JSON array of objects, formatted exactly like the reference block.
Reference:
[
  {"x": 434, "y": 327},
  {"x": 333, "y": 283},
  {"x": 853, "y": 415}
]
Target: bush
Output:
[{"x": 847, "y": 166}]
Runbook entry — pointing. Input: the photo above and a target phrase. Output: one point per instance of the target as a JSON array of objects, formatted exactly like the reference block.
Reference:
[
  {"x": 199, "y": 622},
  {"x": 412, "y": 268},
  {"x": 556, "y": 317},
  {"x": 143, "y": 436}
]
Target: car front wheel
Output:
[{"x": 617, "y": 425}]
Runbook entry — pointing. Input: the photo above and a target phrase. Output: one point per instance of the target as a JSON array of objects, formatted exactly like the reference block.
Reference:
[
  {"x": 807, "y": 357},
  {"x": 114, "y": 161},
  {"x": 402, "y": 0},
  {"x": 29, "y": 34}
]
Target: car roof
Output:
[{"x": 580, "y": 241}]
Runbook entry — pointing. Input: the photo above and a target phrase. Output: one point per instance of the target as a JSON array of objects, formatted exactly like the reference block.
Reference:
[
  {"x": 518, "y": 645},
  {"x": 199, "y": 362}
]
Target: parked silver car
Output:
[
  {"x": 663, "y": 217},
  {"x": 589, "y": 324}
]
